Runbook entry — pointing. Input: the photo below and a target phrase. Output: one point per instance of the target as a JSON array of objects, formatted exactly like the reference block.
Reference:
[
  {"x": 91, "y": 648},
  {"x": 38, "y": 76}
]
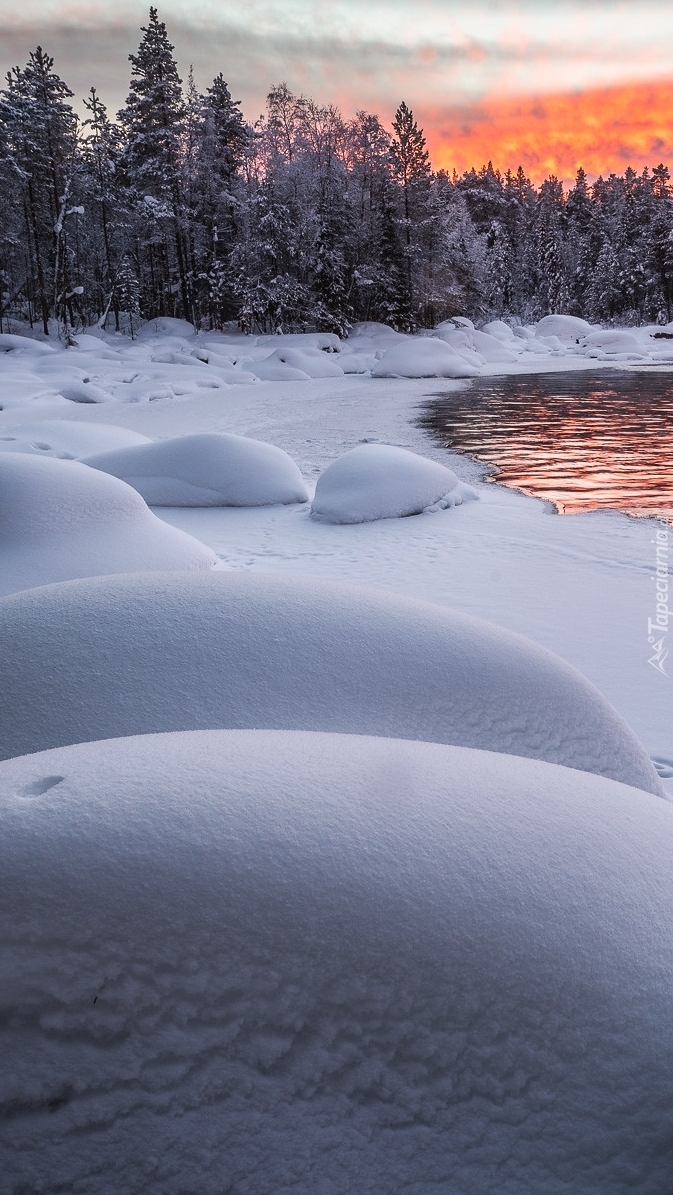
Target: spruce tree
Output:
[{"x": 152, "y": 122}]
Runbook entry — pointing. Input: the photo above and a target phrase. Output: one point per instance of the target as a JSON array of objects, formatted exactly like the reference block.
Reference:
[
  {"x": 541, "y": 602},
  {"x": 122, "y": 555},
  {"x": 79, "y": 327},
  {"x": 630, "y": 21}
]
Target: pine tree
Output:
[
  {"x": 153, "y": 123},
  {"x": 127, "y": 291},
  {"x": 411, "y": 168},
  {"x": 40, "y": 135}
]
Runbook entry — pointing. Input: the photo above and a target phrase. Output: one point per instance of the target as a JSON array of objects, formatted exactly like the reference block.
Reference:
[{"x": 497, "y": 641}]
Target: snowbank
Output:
[
  {"x": 425, "y": 357},
  {"x": 67, "y": 438},
  {"x": 59, "y": 520},
  {"x": 210, "y": 469},
  {"x": 270, "y": 962},
  {"x": 379, "y": 481},
  {"x": 113, "y": 656}
]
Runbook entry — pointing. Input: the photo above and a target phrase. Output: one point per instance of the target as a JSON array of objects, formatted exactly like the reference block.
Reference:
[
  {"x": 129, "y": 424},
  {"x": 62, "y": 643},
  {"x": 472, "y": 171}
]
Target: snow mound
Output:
[
  {"x": 67, "y": 438},
  {"x": 493, "y": 348},
  {"x": 566, "y": 327},
  {"x": 275, "y": 368},
  {"x": 25, "y": 345},
  {"x": 379, "y": 481},
  {"x": 327, "y": 342},
  {"x": 264, "y": 962},
  {"x": 614, "y": 342},
  {"x": 208, "y": 469},
  {"x": 112, "y": 656},
  {"x": 499, "y": 330},
  {"x": 60, "y": 519},
  {"x": 309, "y": 362},
  {"x": 166, "y": 325},
  {"x": 424, "y": 357}
]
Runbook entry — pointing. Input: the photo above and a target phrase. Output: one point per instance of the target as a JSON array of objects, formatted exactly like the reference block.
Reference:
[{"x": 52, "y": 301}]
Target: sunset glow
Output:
[{"x": 602, "y": 130}]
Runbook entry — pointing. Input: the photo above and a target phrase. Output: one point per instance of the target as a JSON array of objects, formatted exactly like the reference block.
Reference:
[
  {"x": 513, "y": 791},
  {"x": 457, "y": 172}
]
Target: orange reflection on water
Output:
[
  {"x": 604, "y": 130},
  {"x": 584, "y": 441}
]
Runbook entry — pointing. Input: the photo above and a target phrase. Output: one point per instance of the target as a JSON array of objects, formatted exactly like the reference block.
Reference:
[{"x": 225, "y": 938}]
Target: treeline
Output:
[{"x": 302, "y": 220}]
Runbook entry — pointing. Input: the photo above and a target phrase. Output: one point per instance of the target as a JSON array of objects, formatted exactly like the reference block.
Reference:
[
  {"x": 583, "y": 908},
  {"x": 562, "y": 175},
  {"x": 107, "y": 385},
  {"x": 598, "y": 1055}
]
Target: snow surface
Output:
[
  {"x": 59, "y": 519},
  {"x": 242, "y": 650},
  {"x": 67, "y": 439},
  {"x": 211, "y": 469},
  {"x": 379, "y": 481},
  {"x": 273, "y": 962}
]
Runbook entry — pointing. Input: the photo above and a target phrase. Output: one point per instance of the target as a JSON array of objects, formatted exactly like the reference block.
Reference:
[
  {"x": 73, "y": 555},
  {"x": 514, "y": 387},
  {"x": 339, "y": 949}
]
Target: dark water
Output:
[{"x": 586, "y": 440}]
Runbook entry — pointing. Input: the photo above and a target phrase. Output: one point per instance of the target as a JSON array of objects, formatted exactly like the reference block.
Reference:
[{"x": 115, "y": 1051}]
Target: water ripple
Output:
[{"x": 583, "y": 440}]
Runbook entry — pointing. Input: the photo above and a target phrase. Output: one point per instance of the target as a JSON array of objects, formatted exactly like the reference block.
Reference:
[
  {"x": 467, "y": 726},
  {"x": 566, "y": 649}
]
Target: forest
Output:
[{"x": 301, "y": 220}]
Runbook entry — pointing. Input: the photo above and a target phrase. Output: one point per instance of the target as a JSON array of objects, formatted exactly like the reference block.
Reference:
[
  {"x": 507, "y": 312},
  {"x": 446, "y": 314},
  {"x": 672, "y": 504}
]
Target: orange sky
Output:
[{"x": 602, "y": 130}]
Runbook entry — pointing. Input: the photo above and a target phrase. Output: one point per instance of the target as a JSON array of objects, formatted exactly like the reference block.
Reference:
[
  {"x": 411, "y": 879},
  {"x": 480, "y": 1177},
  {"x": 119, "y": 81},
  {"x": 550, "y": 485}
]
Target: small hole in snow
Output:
[
  {"x": 37, "y": 787},
  {"x": 7, "y": 437}
]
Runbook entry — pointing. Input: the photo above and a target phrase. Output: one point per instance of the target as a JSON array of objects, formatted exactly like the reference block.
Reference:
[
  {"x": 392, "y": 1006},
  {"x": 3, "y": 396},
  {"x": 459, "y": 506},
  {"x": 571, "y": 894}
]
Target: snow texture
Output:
[
  {"x": 422, "y": 358},
  {"x": 379, "y": 481},
  {"x": 267, "y": 963},
  {"x": 59, "y": 520},
  {"x": 67, "y": 438},
  {"x": 206, "y": 470},
  {"x": 143, "y": 653}
]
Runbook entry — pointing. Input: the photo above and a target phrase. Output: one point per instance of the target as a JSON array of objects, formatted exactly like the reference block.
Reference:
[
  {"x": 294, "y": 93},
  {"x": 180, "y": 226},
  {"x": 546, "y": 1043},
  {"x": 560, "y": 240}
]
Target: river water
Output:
[{"x": 584, "y": 440}]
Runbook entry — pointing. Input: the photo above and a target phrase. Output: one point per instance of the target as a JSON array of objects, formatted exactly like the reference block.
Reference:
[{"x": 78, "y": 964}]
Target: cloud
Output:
[
  {"x": 489, "y": 71},
  {"x": 602, "y": 130}
]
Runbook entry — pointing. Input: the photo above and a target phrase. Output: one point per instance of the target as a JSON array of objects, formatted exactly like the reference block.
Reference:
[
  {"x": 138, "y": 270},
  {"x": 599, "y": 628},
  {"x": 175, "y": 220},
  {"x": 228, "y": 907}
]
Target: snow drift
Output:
[
  {"x": 210, "y": 469},
  {"x": 380, "y": 481},
  {"x": 59, "y": 520},
  {"x": 271, "y": 962},
  {"x": 113, "y": 656}
]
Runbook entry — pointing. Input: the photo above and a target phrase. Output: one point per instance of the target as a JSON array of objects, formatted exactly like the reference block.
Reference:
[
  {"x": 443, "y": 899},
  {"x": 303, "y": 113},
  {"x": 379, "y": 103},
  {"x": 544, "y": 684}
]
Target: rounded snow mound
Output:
[
  {"x": 379, "y": 481},
  {"x": 423, "y": 357},
  {"x": 612, "y": 341},
  {"x": 69, "y": 439},
  {"x": 207, "y": 469},
  {"x": 566, "y": 327},
  {"x": 60, "y": 519},
  {"x": 284, "y": 961},
  {"x": 499, "y": 329},
  {"x": 296, "y": 364},
  {"x": 166, "y": 325},
  {"x": 10, "y": 343},
  {"x": 143, "y": 653}
]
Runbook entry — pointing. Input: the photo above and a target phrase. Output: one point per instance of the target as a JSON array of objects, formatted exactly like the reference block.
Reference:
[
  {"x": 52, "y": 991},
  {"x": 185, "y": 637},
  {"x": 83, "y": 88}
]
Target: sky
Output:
[{"x": 546, "y": 84}]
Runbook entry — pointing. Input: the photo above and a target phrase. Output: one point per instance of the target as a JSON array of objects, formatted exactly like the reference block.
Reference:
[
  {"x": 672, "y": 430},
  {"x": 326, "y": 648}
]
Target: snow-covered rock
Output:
[
  {"x": 113, "y": 656},
  {"x": 566, "y": 327},
  {"x": 67, "y": 438},
  {"x": 276, "y": 368},
  {"x": 380, "y": 481},
  {"x": 493, "y": 349},
  {"x": 59, "y": 520},
  {"x": 164, "y": 326},
  {"x": 265, "y": 962},
  {"x": 210, "y": 469},
  {"x": 422, "y": 357},
  {"x": 499, "y": 330},
  {"x": 615, "y": 341},
  {"x": 308, "y": 361},
  {"x": 327, "y": 342},
  {"x": 24, "y": 345}
]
